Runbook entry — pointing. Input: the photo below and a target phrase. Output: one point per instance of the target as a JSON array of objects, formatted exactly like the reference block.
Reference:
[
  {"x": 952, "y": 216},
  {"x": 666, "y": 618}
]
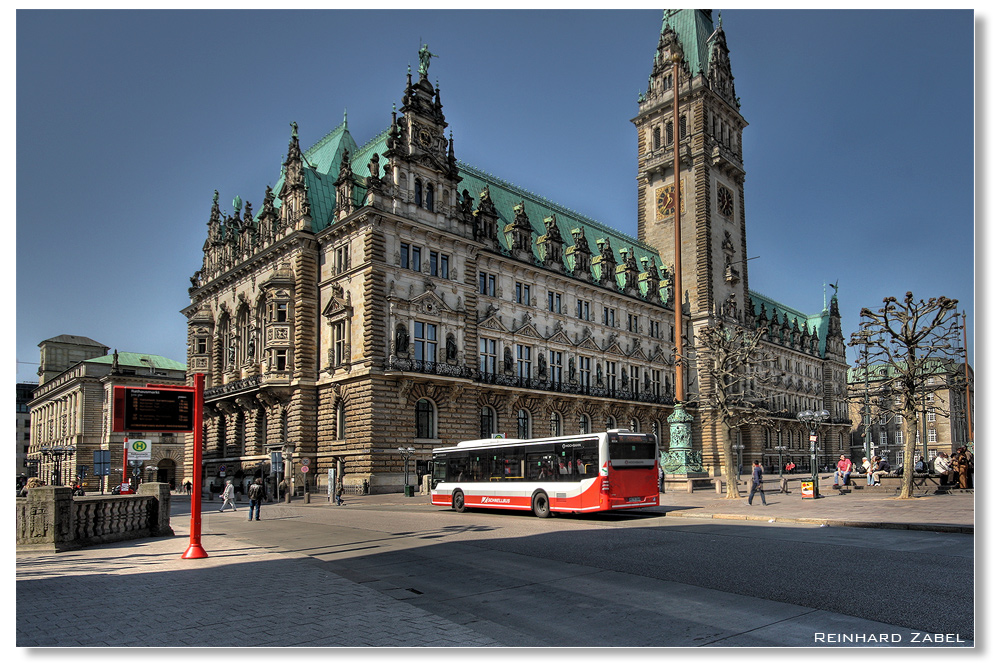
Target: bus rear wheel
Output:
[
  {"x": 458, "y": 501},
  {"x": 540, "y": 504}
]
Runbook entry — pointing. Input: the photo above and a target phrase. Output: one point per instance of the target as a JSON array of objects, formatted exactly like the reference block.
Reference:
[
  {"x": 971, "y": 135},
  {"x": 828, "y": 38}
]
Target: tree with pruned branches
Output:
[
  {"x": 740, "y": 372},
  {"x": 908, "y": 340}
]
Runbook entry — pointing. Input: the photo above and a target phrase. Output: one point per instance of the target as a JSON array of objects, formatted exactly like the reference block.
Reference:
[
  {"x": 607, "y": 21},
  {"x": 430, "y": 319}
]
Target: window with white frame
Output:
[
  {"x": 522, "y": 293},
  {"x": 425, "y": 341},
  {"x": 555, "y": 367},
  {"x": 524, "y": 361},
  {"x": 488, "y": 356}
]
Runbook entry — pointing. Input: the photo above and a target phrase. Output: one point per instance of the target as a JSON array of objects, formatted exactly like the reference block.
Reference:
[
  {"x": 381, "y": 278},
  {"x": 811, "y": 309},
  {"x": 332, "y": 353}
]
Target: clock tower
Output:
[{"x": 709, "y": 159}]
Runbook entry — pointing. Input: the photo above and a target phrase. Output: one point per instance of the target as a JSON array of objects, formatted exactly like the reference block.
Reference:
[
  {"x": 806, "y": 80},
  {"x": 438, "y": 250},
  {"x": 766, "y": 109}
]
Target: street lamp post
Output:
[
  {"x": 738, "y": 451},
  {"x": 813, "y": 420},
  {"x": 406, "y": 452},
  {"x": 57, "y": 454}
]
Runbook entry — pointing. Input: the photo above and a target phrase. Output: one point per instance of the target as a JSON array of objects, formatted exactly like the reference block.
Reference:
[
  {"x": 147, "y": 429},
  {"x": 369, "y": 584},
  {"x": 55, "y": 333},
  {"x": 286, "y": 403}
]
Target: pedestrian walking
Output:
[
  {"x": 256, "y": 495},
  {"x": 282, "y": 490},
  {"x": 757, "y": 483},
  {"x": 187, "y": 487},
  {"x": 338, "y": 492},
  {"x": 228, "y": 496}
]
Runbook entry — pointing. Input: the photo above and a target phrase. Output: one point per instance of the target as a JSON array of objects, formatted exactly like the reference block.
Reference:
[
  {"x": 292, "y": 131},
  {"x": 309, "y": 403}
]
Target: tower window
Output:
[
  {"x": 430, "y": 197},
  {"x": 656, "y": 138}
]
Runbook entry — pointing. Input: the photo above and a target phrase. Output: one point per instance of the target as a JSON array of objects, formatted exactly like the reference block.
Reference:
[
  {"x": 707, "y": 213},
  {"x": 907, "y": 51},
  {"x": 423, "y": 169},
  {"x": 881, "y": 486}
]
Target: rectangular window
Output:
[
  {"x": 522, "y": 293},
  {"x": 583, "y": 309},
  {"x": 339, "y": 343},
  {"x": 281, "y": 312},
  {"x": 585, "y": 369},
  {"x": 404, "y": 255},
  {"x": 609, "y": 316},
  {"x": 201, "y": 345},
  {"x": 899, "y": 437},
  {"x": 882, "y": 438},
  {"x": 555, "y": 367},
  {"x": 415, "y": 258},
  {"x": 444, "y": 267},
  {"x": 424, "y": 341},
  {"x": 657, "y": 384},
  {"x": 932, "y": 435},
  {"x": 341, "y": 259},
  {"x": 487, "y": 284},
  {"x": 434, "y": 262},
  {"x": 488, "y": 356},
  {"x": 931, "y": 415},
  {"x": 555, "y": 302},
  {"x": 280, "y": 360},
  {"x": 634, "y": 378},
  {"x": 632, "y": 323},
  {"x": 899, "y": 419},
  {"x": 654, "y": 329},
  {"x": 524, "y": 361},
  {"x": 611, "y": 369}
]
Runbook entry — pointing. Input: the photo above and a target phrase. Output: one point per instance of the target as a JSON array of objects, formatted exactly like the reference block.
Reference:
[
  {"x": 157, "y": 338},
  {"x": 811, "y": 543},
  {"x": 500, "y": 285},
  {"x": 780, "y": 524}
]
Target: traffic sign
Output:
[
  {"x": 305, "y": 461},
  {"x": 305, "y": 468},
  {"x": 139, "y": 449}
]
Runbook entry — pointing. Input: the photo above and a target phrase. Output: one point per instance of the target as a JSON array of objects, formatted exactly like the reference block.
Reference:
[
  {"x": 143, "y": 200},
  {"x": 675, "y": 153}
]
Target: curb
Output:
[{"x": 830, "y": 522}]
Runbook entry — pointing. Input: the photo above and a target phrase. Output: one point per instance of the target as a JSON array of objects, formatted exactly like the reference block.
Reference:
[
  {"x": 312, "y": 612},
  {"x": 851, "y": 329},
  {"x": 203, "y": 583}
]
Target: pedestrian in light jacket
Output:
[{"x": 228, "y": 496}]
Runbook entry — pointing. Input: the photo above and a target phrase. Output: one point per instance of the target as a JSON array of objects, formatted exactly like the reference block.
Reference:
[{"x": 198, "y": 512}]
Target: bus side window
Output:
[{"x": 588, "y": 455}]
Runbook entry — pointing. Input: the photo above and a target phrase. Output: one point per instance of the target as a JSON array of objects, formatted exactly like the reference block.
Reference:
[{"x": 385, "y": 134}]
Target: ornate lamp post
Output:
[
  {"x": 57, "y": 454},
  {"x": 738, "y": 451},
  {"x": 813, "y": 420},
  {"x": 406, "y": 452}
]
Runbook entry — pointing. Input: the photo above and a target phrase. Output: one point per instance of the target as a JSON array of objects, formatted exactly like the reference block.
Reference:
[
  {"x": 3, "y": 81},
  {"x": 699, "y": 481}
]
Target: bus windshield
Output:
[{"x": 631, "y": 449}]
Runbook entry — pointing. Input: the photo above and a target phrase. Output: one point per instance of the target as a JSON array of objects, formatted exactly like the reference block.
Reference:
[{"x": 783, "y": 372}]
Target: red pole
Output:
[
  {"x": 125, "y": 463},
  {"x": 194, "y": 549}
]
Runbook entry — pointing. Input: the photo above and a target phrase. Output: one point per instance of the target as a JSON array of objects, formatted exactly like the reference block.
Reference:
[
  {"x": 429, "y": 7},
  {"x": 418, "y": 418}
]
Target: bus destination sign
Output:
[{"x": 153, "y": 409}]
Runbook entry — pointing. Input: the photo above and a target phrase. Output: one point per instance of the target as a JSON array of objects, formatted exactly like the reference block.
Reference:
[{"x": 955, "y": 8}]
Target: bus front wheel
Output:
[
  {"x": 458, "y": 501},
  {"x": 540, "y": 505}
]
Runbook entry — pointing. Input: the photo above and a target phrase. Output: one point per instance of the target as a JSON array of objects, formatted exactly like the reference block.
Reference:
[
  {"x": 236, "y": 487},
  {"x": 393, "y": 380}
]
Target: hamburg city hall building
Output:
[{"x": 389, "y": 295}]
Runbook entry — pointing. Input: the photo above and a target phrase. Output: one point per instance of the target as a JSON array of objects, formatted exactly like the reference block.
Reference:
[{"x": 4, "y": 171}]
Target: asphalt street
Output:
[{"x": 626, "y": 577}]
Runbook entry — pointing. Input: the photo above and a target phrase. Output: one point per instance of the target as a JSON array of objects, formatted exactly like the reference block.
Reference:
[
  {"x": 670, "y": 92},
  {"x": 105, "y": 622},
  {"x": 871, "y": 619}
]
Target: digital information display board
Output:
[{"x": 153, "y": 409}]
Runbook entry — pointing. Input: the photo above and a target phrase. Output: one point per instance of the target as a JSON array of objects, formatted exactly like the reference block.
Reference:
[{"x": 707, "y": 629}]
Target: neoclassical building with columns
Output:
[{"x": 388, "y": 295}]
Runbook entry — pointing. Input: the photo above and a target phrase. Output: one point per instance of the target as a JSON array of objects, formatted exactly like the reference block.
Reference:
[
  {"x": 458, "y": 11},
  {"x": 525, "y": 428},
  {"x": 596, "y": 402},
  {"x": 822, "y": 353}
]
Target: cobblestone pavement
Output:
[
  {"x": 230, "y": 599},
  {"x": 233, "y": 597}
]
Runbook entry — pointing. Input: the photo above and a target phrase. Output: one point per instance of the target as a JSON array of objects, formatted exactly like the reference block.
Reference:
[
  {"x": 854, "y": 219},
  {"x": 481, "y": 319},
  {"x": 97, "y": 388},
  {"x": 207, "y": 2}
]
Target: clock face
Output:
[
  {"x": 664, "y": 201},
  {"x": 424, "y": 136},
  {"x": 725, "y": 201}
]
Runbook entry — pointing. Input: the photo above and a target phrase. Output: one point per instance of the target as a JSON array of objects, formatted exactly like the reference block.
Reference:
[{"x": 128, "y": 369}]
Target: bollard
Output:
[
  {"x": 690, "y": 485},
  {"x": 306, "y": 497},
  {"x": 718, "y": 486}
]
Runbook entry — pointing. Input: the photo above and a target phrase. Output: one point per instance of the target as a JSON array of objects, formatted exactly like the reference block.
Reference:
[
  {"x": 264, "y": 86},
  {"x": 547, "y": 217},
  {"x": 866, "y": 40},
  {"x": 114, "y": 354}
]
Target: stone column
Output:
[
  {"x": 48, "y": 519},
  {"x": 160, "y": 523}
]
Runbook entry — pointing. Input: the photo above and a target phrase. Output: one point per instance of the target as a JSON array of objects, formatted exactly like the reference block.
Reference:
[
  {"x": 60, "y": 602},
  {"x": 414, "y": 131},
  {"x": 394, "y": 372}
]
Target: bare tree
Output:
[
  {"x": 909, "y": 341},
  {"x": 739, "y": 372}
]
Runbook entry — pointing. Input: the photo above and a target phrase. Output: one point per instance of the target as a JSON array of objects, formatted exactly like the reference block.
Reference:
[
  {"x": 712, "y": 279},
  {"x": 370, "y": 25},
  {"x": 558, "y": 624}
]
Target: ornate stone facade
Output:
[{"x": 388, "y": 295}]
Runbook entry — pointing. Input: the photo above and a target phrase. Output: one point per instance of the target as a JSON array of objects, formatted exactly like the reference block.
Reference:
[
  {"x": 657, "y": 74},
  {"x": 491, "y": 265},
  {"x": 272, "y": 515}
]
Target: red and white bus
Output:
[{"x": 578, "y": 473}]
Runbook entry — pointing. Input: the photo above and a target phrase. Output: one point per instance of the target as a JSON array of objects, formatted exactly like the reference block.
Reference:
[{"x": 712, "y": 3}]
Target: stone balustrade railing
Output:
[{"x": 51, "y": 519}]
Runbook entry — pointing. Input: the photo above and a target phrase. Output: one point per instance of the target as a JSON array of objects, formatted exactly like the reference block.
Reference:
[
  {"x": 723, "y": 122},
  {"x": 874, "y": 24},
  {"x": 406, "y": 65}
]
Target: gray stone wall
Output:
[{"x": 51, "y": 519}]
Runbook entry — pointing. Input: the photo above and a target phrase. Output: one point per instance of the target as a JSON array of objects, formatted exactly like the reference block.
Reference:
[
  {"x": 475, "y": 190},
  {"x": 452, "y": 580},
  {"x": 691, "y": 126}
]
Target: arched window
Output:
[
  {"x": 418, "y": 192},
  {"x": 610, "y": 423},
  {"x": 656, "y": 138},
  {"x": 523, "y": 424},
  {"x": 584, "y": 424},
  {"x": 555, "y": 424},
  {"x": 656, "y": 430},
  {"x": 634, "y": 425},
  {"x": 425, "y": 419},
  {"x": 487, "y": 421},
  {"x": 430, "y": 197}
]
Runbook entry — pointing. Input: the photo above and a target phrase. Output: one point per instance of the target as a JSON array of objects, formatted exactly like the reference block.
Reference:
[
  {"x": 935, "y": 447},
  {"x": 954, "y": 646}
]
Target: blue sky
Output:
[{"x": 859, "y": 152}]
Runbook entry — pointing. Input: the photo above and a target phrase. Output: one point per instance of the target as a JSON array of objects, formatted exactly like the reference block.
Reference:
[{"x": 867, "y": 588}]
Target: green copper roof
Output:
[
  {"x": 134, "y": 360},
  {"x": 878, "y": 372},
  {"x": 322, "y": 166},
  {"x": 506, "y": 195},
  {"x": 818, "y": 322},
  {"x": 693, "y": 28}
]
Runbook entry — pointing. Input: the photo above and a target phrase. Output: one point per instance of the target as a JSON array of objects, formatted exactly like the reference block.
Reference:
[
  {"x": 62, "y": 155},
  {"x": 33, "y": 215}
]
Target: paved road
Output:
[
  {"x": 635, "y": 579},
  {"x": 394, "y": 571}
]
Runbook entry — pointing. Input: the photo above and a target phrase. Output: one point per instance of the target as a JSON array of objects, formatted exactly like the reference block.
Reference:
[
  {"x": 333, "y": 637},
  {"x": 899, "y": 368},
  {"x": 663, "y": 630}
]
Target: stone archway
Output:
[{"x": 166, "y": 471}]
